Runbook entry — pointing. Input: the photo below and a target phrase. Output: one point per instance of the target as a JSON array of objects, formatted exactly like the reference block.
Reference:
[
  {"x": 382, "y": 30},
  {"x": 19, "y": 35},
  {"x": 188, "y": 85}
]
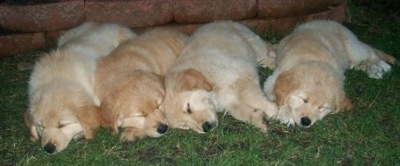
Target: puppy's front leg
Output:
[
  {"x": 108, "y": 118},
  {"x": 285, "y": 116},
  {"x": 89, "y": 117},
  {"x": 242, "y": 112},
  {"x": 253, "y": 96}
]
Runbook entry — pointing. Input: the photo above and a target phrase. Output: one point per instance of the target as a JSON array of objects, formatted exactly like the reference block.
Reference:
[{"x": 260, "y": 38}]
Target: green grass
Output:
[{"x": 368, "y": 135}]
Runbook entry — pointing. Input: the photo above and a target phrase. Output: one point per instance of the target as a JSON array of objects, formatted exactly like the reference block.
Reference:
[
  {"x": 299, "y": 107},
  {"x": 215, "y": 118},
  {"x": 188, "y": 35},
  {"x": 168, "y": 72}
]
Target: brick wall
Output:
[{"x": 25, "y": 27}]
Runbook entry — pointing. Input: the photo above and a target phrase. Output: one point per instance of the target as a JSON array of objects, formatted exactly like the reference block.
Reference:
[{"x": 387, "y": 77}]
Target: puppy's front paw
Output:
[
  {"x": 285, "y": 117},
  {"x": 88, "y": 134},
  {"x": 272, "y": 111},
  {"x": 110, "y": 127},
  {"x": 130, "y": 135},
  {"x": 377, "y": 70},
  {"x": 33, "y": 139},
  {"x": 287, "y": 122},
  {"x": 259, "y": 120}
]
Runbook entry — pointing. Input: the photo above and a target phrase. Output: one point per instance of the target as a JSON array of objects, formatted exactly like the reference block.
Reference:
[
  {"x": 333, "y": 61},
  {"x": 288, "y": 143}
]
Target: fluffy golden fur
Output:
[
  {"x": 308, "y": 81},
  {"x": 62, "y": 104},
  {"x": 217, "y": 71},
  {"x": 131, "y": 86}
]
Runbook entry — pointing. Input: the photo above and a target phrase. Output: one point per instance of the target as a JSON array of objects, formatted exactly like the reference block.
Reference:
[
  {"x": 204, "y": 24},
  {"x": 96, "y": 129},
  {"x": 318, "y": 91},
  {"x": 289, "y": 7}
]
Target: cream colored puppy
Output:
[
  {"x": 217, "y": 71},
  {"x": 308, "y": 81},
  {"x": 62, "y": 104},
  {"x": 131, "y": 86}
]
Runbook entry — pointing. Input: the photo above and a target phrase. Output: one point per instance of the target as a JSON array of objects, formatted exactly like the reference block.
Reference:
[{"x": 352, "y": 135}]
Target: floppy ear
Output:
[
  {"x": 108, "y": 117},
  {"x": 161, "y": 79},
  {"x": 32, "y": 128},
  {"x": 191, "y": 79},
  {"x": 160, "y": 99},
  {"x": 284, "y": 84},
  {"x": 90, "y": 119}
]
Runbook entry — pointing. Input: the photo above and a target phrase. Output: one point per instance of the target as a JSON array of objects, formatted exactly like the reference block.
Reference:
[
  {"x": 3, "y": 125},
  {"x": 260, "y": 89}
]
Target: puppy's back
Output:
[
  {"x": 103, "y": 37},
  {"x": 75, "y": 59},
  {"x": 321, "y": 40},
  {"x": 170, "y": 43},
  {"x": 153, "y": 51}
]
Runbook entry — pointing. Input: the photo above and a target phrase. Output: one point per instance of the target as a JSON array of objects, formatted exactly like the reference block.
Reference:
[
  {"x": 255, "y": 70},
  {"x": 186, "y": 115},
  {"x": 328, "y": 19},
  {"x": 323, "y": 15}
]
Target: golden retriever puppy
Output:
[
  {"x": 131, "y": 86},
  {"x": 308, "y": 81},
  {"x": 217, "y": 71},
  {"x": 62, "y": 103}
]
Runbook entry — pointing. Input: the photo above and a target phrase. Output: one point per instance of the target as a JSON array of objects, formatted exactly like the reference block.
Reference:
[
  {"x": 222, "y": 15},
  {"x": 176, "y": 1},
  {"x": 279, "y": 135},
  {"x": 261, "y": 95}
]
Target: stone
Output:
[
  {"x": 20, "y": 43},
  {"x": 273, "y": 9},
  {"x": 41, "y": 17},
  {"x": 202, "y": 11},
  {"x": 131, "y": 13}
]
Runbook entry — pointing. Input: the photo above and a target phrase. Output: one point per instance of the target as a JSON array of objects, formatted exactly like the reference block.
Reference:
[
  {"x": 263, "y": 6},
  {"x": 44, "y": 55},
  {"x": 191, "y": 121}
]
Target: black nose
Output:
[
  {"x": 50, "y": 148},
  {"x": 305, "y": 121},
  {"x": 207, "y": 126},
  {"x": 162, "y": 128}
]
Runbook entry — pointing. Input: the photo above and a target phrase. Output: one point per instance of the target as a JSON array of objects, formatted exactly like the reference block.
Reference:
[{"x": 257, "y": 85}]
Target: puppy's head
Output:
[
  {"x": 188, "y": 103},
  {"x": 134, "y": 101},
  {"x": 57, "y": 114},
  {"x": 308, "y": 93}
]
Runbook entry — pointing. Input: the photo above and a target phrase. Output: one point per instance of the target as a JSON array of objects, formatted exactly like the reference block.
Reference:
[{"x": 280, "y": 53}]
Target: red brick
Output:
[
  {"x": 41, "y": 17},
  {"x": 337, "y": 14},
  {"x": 274, "y": 9},
  {"x": 202, "y": 11},
  {"x": 186, "y": 28},
  {"x": 277, "y": 26},
  {"x": 259, "y": 26},
  {"x": 20, "y": 43},
  {"x": 285, "y": 25},
  {"x": 132, "y": 13}
]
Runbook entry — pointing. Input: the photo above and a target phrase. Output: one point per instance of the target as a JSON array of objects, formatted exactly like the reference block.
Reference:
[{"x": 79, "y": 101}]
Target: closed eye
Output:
[
  {"x": 323, "y": 108},
  {"x": 61, "y": 125},
  {"x": 139, "y": 115},
  {"x": 158, "y": 103},
  {"x": 188, "y": 110},
  {"x": 305, "y": 100},
  {"x": 40, "y": 126}
]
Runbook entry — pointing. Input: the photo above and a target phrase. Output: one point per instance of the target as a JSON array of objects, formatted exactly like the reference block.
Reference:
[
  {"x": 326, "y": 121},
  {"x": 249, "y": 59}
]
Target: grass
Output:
[{"x": 368, "y": 135}]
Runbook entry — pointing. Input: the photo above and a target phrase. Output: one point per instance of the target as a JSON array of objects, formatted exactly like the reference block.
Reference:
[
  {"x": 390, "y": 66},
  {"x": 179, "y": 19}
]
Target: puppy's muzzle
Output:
[
  {"x": 305, "y": 121},
  {"x": 162, "y": 128},
  {"x": 207, "y": 126},
  {"x": 50, "y": 148}
]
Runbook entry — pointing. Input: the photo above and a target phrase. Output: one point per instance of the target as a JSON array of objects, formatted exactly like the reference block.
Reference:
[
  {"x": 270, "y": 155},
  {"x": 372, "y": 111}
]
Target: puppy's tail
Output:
[
  {"x": 76, "y": 32},
  {"x": 385, "y": 57},
  {"x": 269, "y": 58}
]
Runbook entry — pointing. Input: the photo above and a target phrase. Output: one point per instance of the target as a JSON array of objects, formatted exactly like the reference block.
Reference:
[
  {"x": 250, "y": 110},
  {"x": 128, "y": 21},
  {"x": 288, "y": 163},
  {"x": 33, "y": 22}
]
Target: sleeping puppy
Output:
[
  {"x": 217, "y": 71},
  {"x": 308, "y": 81},
  {"x": 62, "y": 103},
  {"x": 131, "y": 86}
]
